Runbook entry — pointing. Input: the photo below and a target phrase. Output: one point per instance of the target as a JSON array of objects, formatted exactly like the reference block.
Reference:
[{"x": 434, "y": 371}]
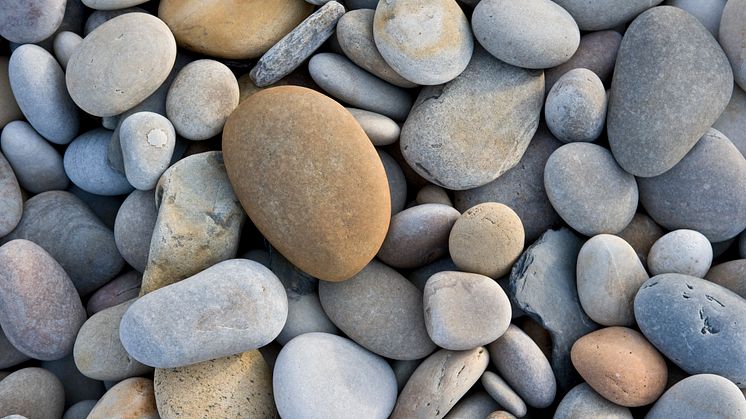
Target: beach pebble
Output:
[
  {"x": 34, "y": 393},
  {"x": 9, "y": 355},
  {"x": 707, "y": 12},
  {"x": 700, "y": 396},
  {"x": 396, "y": 180},
  {"x": 99, "y": 17},
  {"x": 87, "y": 167},
  {"x": 11, "y": 206},
  {"x": 77, "y": 386},
  {"x": 37, "y": 165},
  {"x": 80, "y": 410},
  {"x": 112, "y": 4},
  {"x": 583, "y": 402},
  {"x": 732, "y": 37},
  {"x": 576, "y": 106},
  {"x": 29, "y": 21},
  {"x": 433, "y": 194},
  {"x": 9, "y": 110},
  {"x": 123, "y": 288},
  {"x": 475, "y": 405},
  {"x": 134, "y": 227},
  {"x": 641, "y": 233},
  {"x": 65, "y": 43},
  {"x": 380, "y": 129},
  {"x": 604, "y": 14},
  {"x": 684, "y": 252},
  {"x": 731, "y": 275},
  {"x": 597, "y": 53},
  {"x": 147, "y": 140},
  {"x": 503, "y": 394},
  {"x": 131, "y": 398},
  {"x": 732, "y": 122}
]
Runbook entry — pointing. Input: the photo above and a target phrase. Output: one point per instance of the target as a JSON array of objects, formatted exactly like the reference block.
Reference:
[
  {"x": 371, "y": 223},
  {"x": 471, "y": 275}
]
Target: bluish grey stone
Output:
[
  {"x": 397, "y": 182},
  {"x": 65, "y": 44},
  {"x": 87, "y": 167},
  {"x": 11, "y": 206},
  {"x": 702, "y": 396},
  {"x": 28, "y": 21},
  {"x": 477, "y": 405},
  {"x": 575, "y": 109},
  {"x": 105, "y": 207},
  {"x": 597, "y": 52},
  {"x": 684, "y": 252},
  {"x": 37, "y": 165},
  {"x": 148, "y": 141},
  {"x": 80, "y": 410},
  {"x": 604, "y": 14},
  {"x": 420, "y": 275},
  {"x": 9, "y": 355},
  {"x": 732, "y": 122},
  {"x": 503, "y": 394},
  {"x": 134, "y": 227},
  {"x": 583, "y": 402},
  {"x": 77, "y": 386},
  {"x": 733, "y": 37},
  {"x": 707, "y": 12}
]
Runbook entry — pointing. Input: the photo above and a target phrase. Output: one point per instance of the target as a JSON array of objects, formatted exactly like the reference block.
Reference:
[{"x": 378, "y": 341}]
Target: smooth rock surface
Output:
[
  {"x": 112, "y": 4},
  {"x": 433, "y": 194},
  {"x": 11, "y": 206},
  {"x": 731, "y": 275},
  {"x": 583, "y": 402},
  {"x": 80, "y": 410},
  {"x": 575, "y": 109},
  {"x": 99, "y": 17},
  {"x": 380, "y": 129},
  {"x": 708, "y": 12},
  {"x": 133, "y": 228},
  {"x": 87, "y": 167},
  {"x": 641, "y": 233},
  {"x": 131, "y": 398},
  {"x": 34, "y": 393},
  {"x": 123, "y": 288},
  {"x": 684, "y": 252},
  {"x": 148, "y": 141},
  {"x": 37, "y": 165},
  {"x": 30, "y": 21},
  {"x": 9, "y": 110},
  {"x": 503, "y": 394},
  {"x": 604, "y": 14},
  {"x": 9, "y": 355},
  {"x": 476, "y": 405},
  {"x": 65, "y": 43},
  {"x": 77, "y": 386},
  {"x": 732, "y": 122},
  {"x": 732, "y": 37},
  {"x": 597, "y": 52},
  {"x": 705, "y": 396}
]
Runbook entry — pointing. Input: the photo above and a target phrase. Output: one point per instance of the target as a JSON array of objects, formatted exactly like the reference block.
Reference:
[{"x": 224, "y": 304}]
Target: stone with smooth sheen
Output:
[
  {"x": 381, "y": 311},
  {"x": 380, "y": 129},
  {"x": 40, "y": 310},
  {"x": 609, "y": 273},
  {"x": 65, "y": 43},
  {"x": 11, "y": 206},
  {"x": 238, "y": 29},
  {"x": 9, "y": 355},
  {"x": 503, "y": 394},
  {"x": 440, "y": 382},
  {"x": 306, "y": 380},
  {"x": 87, "y": 167},
  {"x": 695, "y": 323},
  {"x": 115, "y": 68},
  {"x": 732, "y": 122},
  {"x": 697, "y": 194},
  {"x": 30, "y": 21},
  {"x": 597, "y": 52},
  {"x": 34, "y": 393},
  {"x": 425, "y": 48},
  {"x": 589, "y": 190},
  {"x": 583, "y": 402},
  {"x": 77, "y": 386},
  {"x": 396, "y": 180},
  {"x": 604, "y": 14},
  {"x": 476, "y": 405},
  {"x": 133, "y": 228},
  {"x": 123, "y": 288},
  {"x": 468, "y": 132},
  {"x": 641, "y": 233},
  {"x": 131, "y": 398},
  {"x": 323, "y": 199},
  {"x": 671, "y": 83},
  {"x": 147, "y": 140},
  {"x": 731, "y": 275},
  {"x": 38, "y": 84},
  {"x": 707, "y": 12},
  {"x": 99, "y": 17},
  {"x": 433, "y": 194},
  {"x": 524, "y": 367},
  {"x": 37, "y": 165},
  {"x": 9, "y": 110},
  {"x": 530, "y": 34},
  {"x": 487, "y": 239},
  {"x": 705, "y": 396},
  {"x": 233, "y": 386},
  {"x": 112, "y": 4},
  {"x": 80, "y": 410},
  {"x": 575, "y": 109},
  {"x": 684, "y": 252},
  {"x": 732, "y": 37}
]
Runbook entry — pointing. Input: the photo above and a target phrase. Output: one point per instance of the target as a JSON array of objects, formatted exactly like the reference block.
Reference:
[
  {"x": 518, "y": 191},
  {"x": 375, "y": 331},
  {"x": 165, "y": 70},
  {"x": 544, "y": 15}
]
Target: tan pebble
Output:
[{"x": 132, "y": 398}]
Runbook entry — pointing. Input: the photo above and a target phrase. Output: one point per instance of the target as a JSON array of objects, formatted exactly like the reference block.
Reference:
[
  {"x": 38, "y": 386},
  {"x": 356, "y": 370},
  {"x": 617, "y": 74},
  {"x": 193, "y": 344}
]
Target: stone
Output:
[
  {"x": 113, "y": 68},
  {"x": 69, "y": 231},
  {"x": 123, "y": 288},
  {"x": 37, "y": 165},
  {"x": 641, "y": 233},
  {"x": 223, "y": 303},
  {"x": 703, "y": 396},
  {"x": 40, "y": 311},
  {"x": 112, "y": 4},
  {"x": 589, "y": 190},
  {"x": 433, "y": 194},
  {"x": 361, "y": 4},
  {"x": 487, "y": 239},
  {"x": 708, "y": 13},
  {"x": 76, "y": 385},
  {"x": 9, "y": 110},
  {"x": 236, "y": 30},
  {"x": 34, "y": 393},
  {"x": 65, "y": 43},
  {"x": 420, "y": 275},
  {"x": 131, "y": 398},
  {"x": 476, "y": 405},
  {"x": 524, "y": 367},
  {"x": 742, "y": 245},
  {"x": 530, "y": 34},
  {"x": 396, "y": 180},
  {"x": 29, "y": 21},
  {"x": 198, "y": 224},
  {"x": 730, "y": 275},
  {"x": 694, "y": 323},
  {"x": 714, "y": 169},
  {"x": 86, "y": 165},
  {"x": 306, "y": 379},
  {"x": 684, "y": 252},
  {"x": 380, "y": 129},
  {"x": 38, "y": 84},
  {"x": 347, "y": 82},
  {"x": 575, "y": 109},
  {"x": 233, "y": 386},
  {"x": 99, "y": 17},
  {"x": 11, "y": 206},
  {"x": 356, "y": 39},
  {"x": 9, "y": 355},
  {"x": 503, "y": 394},
  {"x": 403, "y": 370},
  {"x": 133, "y": 228},
  {"x": 295, "y": 47},
  {"x": 605, "y": 14},
  {"x": 147, "y": 140},
  {"x": 470, "y": 131},
  {"x": 582, "y": 402},
  {"x": 103, "y": 207},
  {"x": 440, "y": 382},
  {"x": 330, "y": 205},
  {"x": 597, "y": 52},
  {"x": 500, "y": 414},
  {"x": 671, "y": 83},
  {"x": 80, "y": 410},
  {"x": 732, "y": 122},
  {"x": 732, "y": 37},
  {"x": 543, "y": 285},
  {"x": 609, "y": 273}
]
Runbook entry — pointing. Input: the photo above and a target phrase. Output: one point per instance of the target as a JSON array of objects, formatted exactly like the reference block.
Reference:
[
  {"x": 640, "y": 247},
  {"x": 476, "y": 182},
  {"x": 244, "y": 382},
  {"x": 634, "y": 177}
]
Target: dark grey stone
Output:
[
  {"x": 32, "y": 393},
  {"x": 9, "y": 355},
  {"x": 397, "y": 182},
  {"x": 80, "y": 410},
  {"x": 134, "y": 227},
  {"x": 37, "y": 165},
  {"x": 474, "y": 406},
  {"x": 123, "y": 288},
  {"x": 583, "y": 402},
  {"x": 403, "y": 370},
  {"x": 87, "y": 167},
  {"x": 702, "y": 396},
  {"x": 604, "y": 14},
  {"x": 597, "y": 52}
]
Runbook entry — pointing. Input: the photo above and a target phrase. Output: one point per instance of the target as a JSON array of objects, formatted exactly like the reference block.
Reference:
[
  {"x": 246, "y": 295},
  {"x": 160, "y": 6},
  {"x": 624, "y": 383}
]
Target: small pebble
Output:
[
  {"x": 133, "y": 228},
  {"x": 65, "y": 44},
  {"x": 147, "y": 140},
  {"x": 381, "y": 130},
  {"x": 576, "y": 106},
  {"x": 684, "y": 252},
  {"x": 433, "y": 194},
  {"x": 503, "y": 394}
]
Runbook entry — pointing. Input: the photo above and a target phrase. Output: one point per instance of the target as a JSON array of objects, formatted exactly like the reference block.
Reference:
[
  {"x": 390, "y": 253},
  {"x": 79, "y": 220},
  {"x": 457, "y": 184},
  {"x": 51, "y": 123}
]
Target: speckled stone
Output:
[
  {"x": 9, "y": 110},
  {"x": 476, "y": 405},
  {"x": 37, "y": 165},
  {"x": 604, "y": 14},
  {"x": 380, "y": 129},
  {"x": 11, "y": 206},
  {"x": 732, "y": 122},
  {"x": 597, "y": 52},
  {"x": 147, "y": 140},
  {"x": 397, "y": 182},
  {"x": 123, "y": 288},
  {"x": 700, "y": 396},
  {"x": 65, "y": 43},
  {"x": 641, "y": 233},
  {"x": 575, "y": 109},
  {"x": 131, "y": 398},
  {"x": 582, "y": 402},
  {"x": 503, "y": 394},
  {"x": 731, "y": 275},
  {"x": 77, "y": 386},
  {"x": 29, "y": 21},
  {"x": 32, "y": 392},
  {"x": 684, "y": 252},
  {"x": 732, "y": 38},
  {"x": 86, "y": 165}
]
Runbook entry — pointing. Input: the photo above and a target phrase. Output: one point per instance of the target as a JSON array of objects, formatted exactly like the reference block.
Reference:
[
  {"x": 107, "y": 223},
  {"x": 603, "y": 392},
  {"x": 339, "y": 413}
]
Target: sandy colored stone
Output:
[
  {"x": 9, "y": 110},
  {"x": 34, "y": 393},
  {"x": 641, "y": 233},
  {"x": 132, "y": 398},
  {"x": 731, "y": 275}
]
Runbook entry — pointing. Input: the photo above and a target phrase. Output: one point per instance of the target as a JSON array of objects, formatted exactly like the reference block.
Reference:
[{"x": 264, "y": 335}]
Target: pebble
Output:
[
  {"x": 134, "y": 226},
  {"x": 380, "y": 129},
  {"x": 641, "y": 233},
  {"x": 40, "y": 311},
  {"x": 575, "y": 109},
  {"x": 700, "y": 396},
  {"x": 436, "y": 57},
  {"x": 112, "y": 69},
  {"x": 597, "y": 52},
  {"x": 500, "y": 414},
  {"x": 9, "y": 110},
  {"x": 9, "y": 355},
  {"x": 605, "y": 14},
  {"x": 104, "y": 207},
  {"x": 476, "y": 405},
  {"x": 732, "y": 37},
  {"x": 34, "y": 393},
  {"x": 684, "y": 252},
  {"x": 524, "y": 367},
  {"x": 87, "y": 167},
  {"x": 112, "y": 4},
  {"x": 403, "y": 370},
  {"x": 80, "y": 410},
  {"x": 147, "y": 140},
  {"x": 381, "y": 311},
  {"x": 345, "y": 81},
  {"x": 589, "y": 190},
  {"x": 440, "y": 382},
  {"x": 694, "y": 323},
  {"x": 30, "y": 21},
  {"x": 609, "y": 273},
  {"x": 714, "y": 169},
  {"x": 418, "y": 236},
  {"x": 131, "y": 398},
  {"x": 583, "y": 402},
  {"x": 123, "y": 288},
  {"x": 470, "y": 131},
  {"x": 732, "y": 122},
  {"x": 330, "y": 204},
  {"x": 38, "y": 84},
  {"x": 420, "y": 275},
  {"x": 11, "y": 206},
  {"x": 295, "y": 48},
  {"x": 503, "y": 394},
  {"x": 671, "y": 83},
  {"x": 76, "y": 385},
  {"x": 99, "y": 17},
  {"x": 235, "y": 386},
  {"x": 708, "y": 13},
  {"x": 396, "y": 180},
  {"x": 37, "y": 165},
  {"x": 433, "y": 194},
  {"x": 305, "y": 379},
  {"x": 65, "y": 44},
  {"x": 731, "y": 275},
  {"x": 487, "y": 239},
  {"x": 530, "y": 34}
]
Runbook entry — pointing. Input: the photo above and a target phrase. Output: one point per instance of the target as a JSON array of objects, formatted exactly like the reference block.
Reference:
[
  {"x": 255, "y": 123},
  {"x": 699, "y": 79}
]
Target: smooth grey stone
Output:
[
  {"x": 87, "y": 167},
  {"x": 295, "y": 47},
  {"x": 521, "y": 188},
  {"x": 543, "y": 285},
  {"x": 99, "y": 17},
  {"x": 148, "y": 141},
  {"x": 733, "y": 38},
  {"x": 403, "y": 370},
  {"x": 380, "y": 310},
  {"x": 695, "y": 323},
  {"x": 104, "y": 207},
  {"x": 671, "y": 83},
  {"x": 474, "y": 406},
  {"x": 65, "y": 227},
  {"x": 425, "y": 48},
  {"x": 597, "y": 52},
  {"x": 433, "y": 194},
  {"x": 9, "y": 110},
  {"x": 702, "y": 396},
  {"x": 11, "y": 206},
  {"x": 65, "y": 44},
  {"x": 361, "y": 4},
  {"x": 237, "y": 305},
  {"x": 707, "y": 12},
  {"x": 306, "y": 382},
  {"x": 589, "y": 190},
  {"x": 134, "y": 227},
  {"x": 120, "y": 289},
  {"x": 77, "y": 386},
  {"x": 420, "y": 275},
  {"x": 80, "y": 410},
  {"x": 38, "y": 84},
  {"x": 685, "y": 252},
  {"x": 37, "y": 165},
  {"x": 345, "y": 81},
  {"x": 33, "y": 392},
  {"x": 397, "y": 182},
  {"x": 9, "y": 355},
  {"x": 605, "y": 14},
  {"x": 698, "y": 193},
  {"x": 732, "y": 122},
  {"x": 468, "y": 132},
  {"x": 529, "y": 34},
  {"x": 29, "y": 21},
  {"x": 583, "y": 402},
  {"x": 503, "y": 394},
  {"x": 112, "y": 4},
  {"x": 381, "y": 129},
  {"x": 524, "y": 367},
  {"x": 72, "y": 21},
  {"x": 575, "y": 109},
  {"x": 356, "y": 39}
]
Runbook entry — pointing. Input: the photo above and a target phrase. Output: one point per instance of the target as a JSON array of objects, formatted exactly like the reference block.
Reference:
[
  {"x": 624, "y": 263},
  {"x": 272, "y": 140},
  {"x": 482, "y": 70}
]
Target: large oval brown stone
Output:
[{"x": 309, "y": 179}]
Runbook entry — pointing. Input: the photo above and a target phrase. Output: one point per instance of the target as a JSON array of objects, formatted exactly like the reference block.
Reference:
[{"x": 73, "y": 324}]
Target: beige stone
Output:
[{"x": 132, "y": 398}]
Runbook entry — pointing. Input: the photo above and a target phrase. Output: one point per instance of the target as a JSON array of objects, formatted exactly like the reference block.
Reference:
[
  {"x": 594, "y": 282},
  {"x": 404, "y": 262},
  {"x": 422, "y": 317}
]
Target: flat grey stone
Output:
[
  {"x": 33, "y": 393},
  {"x": 605, "y": 14},
  {"x": 397, "y": 182},
  {"x": 381, "y": 129},
  {"x": 86, "y": 165},
  {"x": 575, "y": 109},
  {"x": 685, "y": 252},
  {"x": 503, "y": 394},
  {"x": 65, "y": 43},
  {"x": 37, "y": 165},
  {"x": 583, "y": 402},
  {"x": 707, "y": 12},
  {"x": 11, "y": 206},
  {"x": 597, "y": 52},
  {"x": 29, "y": 21},
  {"x": 148, "y": 141},
  {"x": 733, "y": 37},
  {"x": 732, "y": 122},
  {"x": 705, "y": 396}
]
